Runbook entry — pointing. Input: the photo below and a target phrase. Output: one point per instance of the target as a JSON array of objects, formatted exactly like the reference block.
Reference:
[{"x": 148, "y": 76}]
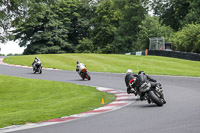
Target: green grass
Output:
[
  {"x": 29, "y": 100},
  {"x": 114, "y": 63}
]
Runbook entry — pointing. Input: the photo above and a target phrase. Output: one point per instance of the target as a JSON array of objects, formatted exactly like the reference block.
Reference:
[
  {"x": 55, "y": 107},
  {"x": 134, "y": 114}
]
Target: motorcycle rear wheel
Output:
[
  {"x": 87, "y": 75},
  {"x": 155, "y": 99},
  {"x": 82, "y": 75}
]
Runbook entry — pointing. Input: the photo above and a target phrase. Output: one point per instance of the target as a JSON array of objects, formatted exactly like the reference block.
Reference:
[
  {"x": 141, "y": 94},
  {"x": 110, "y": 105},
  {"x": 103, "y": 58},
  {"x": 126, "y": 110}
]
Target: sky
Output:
[{"x": 11, "y": 47}]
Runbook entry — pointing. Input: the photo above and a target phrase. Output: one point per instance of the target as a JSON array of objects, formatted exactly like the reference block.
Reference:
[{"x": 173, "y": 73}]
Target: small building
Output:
[{"x": 158, "y": 43}]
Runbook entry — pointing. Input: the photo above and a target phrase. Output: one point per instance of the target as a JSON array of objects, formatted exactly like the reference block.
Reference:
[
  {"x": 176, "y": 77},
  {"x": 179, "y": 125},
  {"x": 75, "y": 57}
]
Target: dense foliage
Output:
[
  {"x": 96, "y": 26},
  {"x": 151, "y": 27},
  {"x": 177, "y": 13},
  {"x": 188, "y": 39},
  {"x": 184, "y": 17}
]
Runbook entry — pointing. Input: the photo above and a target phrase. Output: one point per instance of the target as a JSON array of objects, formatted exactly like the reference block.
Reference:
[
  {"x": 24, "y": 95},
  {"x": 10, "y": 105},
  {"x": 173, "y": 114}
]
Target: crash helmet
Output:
[
  {"x": 141, "y": 72},
  {"x": 36, "y": 59},
  {"x": 129, "y": 71}
]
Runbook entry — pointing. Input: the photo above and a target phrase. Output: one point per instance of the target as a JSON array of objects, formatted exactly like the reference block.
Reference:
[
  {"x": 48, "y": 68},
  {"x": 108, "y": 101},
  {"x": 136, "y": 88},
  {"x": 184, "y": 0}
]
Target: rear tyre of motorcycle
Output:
[
  {"x": 87, "y": 75},
  {"x": 82, "y": 78},
  {"x": 155, "y": 99}
]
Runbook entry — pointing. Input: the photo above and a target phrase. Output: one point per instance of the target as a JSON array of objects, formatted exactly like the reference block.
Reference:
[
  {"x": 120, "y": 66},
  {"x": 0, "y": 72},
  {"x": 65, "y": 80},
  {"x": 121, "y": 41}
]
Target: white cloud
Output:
[{"x": 11, "y": 47}]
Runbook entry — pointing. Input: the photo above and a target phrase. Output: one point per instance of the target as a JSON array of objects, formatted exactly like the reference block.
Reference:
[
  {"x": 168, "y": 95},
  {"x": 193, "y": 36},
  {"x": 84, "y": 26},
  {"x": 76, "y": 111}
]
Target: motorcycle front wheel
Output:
[
  {"x": 155, "y": 98},
  {"x": 40, "y": 70},
  {"x": 34, "y": 71}
]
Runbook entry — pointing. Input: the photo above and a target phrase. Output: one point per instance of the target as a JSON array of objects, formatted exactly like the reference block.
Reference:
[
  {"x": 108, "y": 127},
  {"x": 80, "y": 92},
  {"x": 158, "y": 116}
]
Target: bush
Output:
[
  {"x": 151, "y": 27},
  {"x": 187, "y": 39},
  {"x": 85, "y": 46}
]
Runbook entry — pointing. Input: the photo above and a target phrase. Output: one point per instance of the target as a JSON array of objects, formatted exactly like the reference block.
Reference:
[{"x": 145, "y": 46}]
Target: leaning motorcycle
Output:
[
  {"x": 151, "y": 94},
  {"x": 84, "y": 74},
  {"x": 37, "y": 68}
]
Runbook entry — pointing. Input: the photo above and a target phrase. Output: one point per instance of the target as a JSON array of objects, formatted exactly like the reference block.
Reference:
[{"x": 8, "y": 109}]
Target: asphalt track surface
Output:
[{"x": 181, "y": 114}]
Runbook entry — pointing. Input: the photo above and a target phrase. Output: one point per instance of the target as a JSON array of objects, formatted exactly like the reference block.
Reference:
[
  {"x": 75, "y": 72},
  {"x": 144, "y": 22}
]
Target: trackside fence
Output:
[{"x": 175, "y": 54}]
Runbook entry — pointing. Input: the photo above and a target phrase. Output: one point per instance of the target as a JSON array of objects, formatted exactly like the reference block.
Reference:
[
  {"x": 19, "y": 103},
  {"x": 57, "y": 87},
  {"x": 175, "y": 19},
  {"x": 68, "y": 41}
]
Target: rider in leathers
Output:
[
  {"x": 80, "y": 66},
  {"x": 129, "y": 76},
  {"x": 36, "y": 60},
  {"x": 140, "y": 78}
]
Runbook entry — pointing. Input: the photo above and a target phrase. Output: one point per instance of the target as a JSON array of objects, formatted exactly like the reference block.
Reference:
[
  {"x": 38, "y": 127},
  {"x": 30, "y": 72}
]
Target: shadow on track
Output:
[
  {"x": 146, "y": 106},
  {"x": 30, "y": 73},
  {"x": 34, "y": 73},
  {"x": 78, "y": 80}
]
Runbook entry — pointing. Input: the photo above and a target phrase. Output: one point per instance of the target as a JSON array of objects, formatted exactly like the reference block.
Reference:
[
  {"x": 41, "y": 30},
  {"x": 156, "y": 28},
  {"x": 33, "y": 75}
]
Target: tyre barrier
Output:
[{"x": 175, "y": 54}]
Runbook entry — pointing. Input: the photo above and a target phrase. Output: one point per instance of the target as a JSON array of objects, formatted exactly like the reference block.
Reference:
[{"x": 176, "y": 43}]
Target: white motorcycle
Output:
[
  {"x": 84, "y": 73},
  {"x": 37, "y": 68}
]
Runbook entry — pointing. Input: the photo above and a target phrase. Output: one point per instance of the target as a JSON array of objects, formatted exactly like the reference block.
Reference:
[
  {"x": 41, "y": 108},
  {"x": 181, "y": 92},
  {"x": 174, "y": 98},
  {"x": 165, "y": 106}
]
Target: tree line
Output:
[{"x": 99, "y": 26}]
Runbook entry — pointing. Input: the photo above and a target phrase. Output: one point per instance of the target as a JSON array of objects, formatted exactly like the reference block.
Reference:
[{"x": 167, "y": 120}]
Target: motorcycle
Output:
[
  {"x": 84, "y": 74},
  {"x": 151, "y": 94},
  {"x": 37, "y": 68}
]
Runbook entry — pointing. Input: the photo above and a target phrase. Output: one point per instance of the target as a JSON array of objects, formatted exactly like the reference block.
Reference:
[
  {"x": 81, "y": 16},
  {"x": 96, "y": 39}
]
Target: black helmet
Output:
[
  {"x": 141, "y": 72},
  {"x": 78, "y": 62}
]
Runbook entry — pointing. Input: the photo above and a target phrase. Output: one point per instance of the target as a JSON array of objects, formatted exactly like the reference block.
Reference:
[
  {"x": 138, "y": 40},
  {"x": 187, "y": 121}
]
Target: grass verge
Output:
[
  {"x": 29, "y": 100},
  {"x": 114, "y": 63}
]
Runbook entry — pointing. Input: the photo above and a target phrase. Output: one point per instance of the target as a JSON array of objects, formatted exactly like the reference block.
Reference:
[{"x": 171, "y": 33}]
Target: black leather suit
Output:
[{"x": 141, "y": 77}]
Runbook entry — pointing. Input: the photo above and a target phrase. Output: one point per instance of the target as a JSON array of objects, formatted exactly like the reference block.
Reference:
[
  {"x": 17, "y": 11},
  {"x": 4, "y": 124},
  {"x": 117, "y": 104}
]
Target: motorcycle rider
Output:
[
  {"x": 80, "y": 66},
  {"x": 36, "y": 60},
  {"x": 130, "y": 76},
  {"x": 82, "y": 71},
  {"x": 142, "y": 78},
  {"x": 139, "y": 78}
]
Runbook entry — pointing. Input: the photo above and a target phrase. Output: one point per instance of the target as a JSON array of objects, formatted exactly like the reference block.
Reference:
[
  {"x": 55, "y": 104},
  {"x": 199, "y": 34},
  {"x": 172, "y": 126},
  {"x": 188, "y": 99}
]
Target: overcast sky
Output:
[{"x": 11, "y": 47}]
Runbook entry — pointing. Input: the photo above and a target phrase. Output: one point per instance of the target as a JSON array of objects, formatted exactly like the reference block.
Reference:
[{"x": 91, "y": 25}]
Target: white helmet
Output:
[{"x": 129, "y": 71}]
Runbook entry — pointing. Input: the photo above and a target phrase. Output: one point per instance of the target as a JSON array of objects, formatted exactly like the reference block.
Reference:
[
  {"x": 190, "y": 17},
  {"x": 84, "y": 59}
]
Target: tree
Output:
[
  {"x": 126, "y": 35},
  {"x": 48, "y": 27},
  {"x": 10, "y": 11},
  {"x": 150, "y": 27},
  {"x": 85, "y": 46},
  {"x": 55, "y": 26},
  {"x": 86, "y": 10},
  {"x": 187, "y": 39},
  {"x": 177, "y": 13},
  {"x": 105, "y": 22},
  {"x": 193, "y": 15}
]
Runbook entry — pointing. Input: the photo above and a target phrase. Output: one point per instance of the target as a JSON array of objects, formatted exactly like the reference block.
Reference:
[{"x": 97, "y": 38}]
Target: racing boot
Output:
[
  {"x": 148, "y": 100},
  {"x": 164, "y": 102},
  {"x": 142, "y": 96},
  {"x": 132, "y": 91}
]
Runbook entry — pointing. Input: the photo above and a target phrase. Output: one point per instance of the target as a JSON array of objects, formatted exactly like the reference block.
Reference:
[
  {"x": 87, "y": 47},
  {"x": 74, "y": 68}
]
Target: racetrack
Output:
[{"x": 181, "y": 114}]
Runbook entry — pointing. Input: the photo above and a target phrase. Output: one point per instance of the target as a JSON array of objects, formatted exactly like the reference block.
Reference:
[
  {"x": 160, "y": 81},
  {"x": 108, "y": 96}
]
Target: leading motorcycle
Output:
[{"x": 37, "y": 68}]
